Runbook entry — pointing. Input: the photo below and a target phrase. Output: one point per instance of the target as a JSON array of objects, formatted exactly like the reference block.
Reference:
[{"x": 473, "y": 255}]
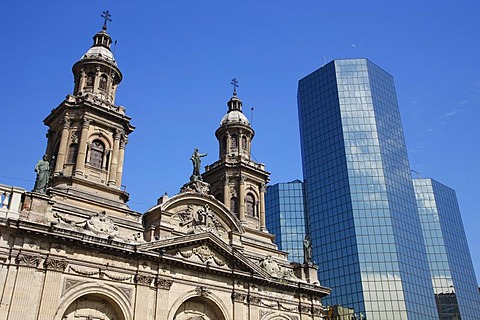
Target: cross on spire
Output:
[
  {"x": 235, "y": 85},
  {"x": 106, "y": 16}
]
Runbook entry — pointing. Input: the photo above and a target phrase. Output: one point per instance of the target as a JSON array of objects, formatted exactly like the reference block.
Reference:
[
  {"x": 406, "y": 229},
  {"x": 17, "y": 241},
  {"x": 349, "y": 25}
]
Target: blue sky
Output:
[{"x": 178, "y": 58}]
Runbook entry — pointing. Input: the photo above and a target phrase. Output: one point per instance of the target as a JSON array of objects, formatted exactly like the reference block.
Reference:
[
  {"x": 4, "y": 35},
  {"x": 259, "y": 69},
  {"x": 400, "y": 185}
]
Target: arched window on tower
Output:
[
  {"x": 72, "y": 153},
  {"x": 250, "y": 205},
  {"x": 90, "y": 78},
  {"x": 97, "y": 152},
  {"x": 244, "y": 143},
  {"x": 234, "y": 206},
  {"x": 103, "y": 82},
  {"x": 224, "y": 144},
  {"x": 234, "y": 143}
]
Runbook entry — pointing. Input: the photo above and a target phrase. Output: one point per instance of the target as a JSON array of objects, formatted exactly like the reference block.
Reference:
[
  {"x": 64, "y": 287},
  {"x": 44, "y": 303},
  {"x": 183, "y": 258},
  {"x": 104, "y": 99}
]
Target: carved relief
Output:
[
  {"x": 276, "y": 271},
  {"x": 100, "y": 223},
  {"x": 203, "y": 291},
  {"x": 143, "y": 279},
  {"x": 84, "y": 272},
  {"x": 70, "y": 283},
  {"x": 204, "y": 253},
  {"x": 254, "y": 300},
  {"x": 196, "y": 186},
  {"x": 305, "y": 309},
  {"x": 199, "y": 219},
  {"x": 238, "y": 297},
  {"x": 163, "y": 283},
  {"x": 56, "y": 264},
  {"x": 317, "y": 311},
  {"x": 28, "y": 260}
]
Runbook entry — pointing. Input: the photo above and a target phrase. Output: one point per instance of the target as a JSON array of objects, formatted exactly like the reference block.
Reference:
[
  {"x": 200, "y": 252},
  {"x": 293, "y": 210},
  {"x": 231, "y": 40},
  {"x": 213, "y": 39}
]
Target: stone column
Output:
[
  {"x": 114, "y": 161},
  {"x": 238, "y": 300},
  {"x": 253, "y": 305},
  {"x": 81, "y": 81},
  {"x": 226, "y": 192},
  {"x": 52, "y": 288},
  {"x": 121, "y": 156},
  {"x": 82, "y": 148},
  {"x": 163, "y": 286},
  {"x": 96, "y": 82},
  {"x": 142, "y": 296},
  {"x": 241, "y": 198},
  {"x": 63, "y": 147},
  {"x": 228, "y": 144},
  {"x": 27, "y": 289},
  {"x": 262, "y": 207}
]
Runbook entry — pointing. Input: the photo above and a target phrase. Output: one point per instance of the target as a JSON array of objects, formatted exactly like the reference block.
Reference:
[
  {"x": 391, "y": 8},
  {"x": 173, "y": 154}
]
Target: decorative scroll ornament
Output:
[
  {"x": 116, "y": 277},
  {"x": 276, "y": 271},
  {"x": 100, "y": 223},
  {"x": 56, "y": 264},
  {"x": 28, "y": 260}
]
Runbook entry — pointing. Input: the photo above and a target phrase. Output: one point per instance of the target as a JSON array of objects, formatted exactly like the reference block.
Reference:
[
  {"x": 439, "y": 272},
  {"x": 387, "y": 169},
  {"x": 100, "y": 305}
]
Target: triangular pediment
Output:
[{"x": 205, "y": 251}]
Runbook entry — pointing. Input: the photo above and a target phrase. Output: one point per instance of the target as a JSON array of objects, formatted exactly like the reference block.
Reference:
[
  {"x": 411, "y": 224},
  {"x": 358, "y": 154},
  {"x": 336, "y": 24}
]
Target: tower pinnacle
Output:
[
  {"x": 106, "y": 16},
  {"x": 235, "y": 85}
]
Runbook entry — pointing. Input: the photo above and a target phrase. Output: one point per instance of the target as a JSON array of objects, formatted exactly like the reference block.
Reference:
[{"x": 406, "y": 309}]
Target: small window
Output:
[
  {"x": 72, "y": 153},
  {"x": 244, "y": 143},
  {"x": 90, "y": 77},
  {"x": 103, "y": 82},
  {"x": 250, "y": 205},
  {"x": 234, "y": 205},
  {"x": 97, "y": 152},
  {"x": 234, "y": 141}
]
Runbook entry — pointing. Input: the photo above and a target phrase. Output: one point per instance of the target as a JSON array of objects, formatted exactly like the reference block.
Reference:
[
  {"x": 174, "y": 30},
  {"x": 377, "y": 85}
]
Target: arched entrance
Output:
[
  {"x": 198, "y": 308},
  {"x": 93, "y": 307}
]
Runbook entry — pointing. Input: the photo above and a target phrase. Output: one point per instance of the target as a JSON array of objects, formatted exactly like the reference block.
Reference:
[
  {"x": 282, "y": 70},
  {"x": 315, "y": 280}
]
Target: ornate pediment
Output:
[{"x": 204, "y": 250}]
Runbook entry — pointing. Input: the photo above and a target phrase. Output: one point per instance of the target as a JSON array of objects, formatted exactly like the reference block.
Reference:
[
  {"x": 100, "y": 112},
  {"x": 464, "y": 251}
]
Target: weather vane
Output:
[
  {"x": 234, "y": 83},
  {"x": 106, "y": 15}
]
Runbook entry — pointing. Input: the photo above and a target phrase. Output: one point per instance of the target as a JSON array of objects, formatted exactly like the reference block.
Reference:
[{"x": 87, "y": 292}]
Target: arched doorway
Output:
[
  {"x": 198, "y": 308},
  {"x": 93, "y": 307}
]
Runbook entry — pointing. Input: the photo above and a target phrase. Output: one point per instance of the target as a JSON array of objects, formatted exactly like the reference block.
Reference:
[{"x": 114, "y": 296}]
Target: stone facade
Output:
[{"x": 78, "y": 252}]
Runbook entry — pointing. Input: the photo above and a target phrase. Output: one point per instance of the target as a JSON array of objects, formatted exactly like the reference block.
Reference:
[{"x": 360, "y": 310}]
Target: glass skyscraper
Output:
[
  {"x": 364, "y": 223},
  {"x": 285, "y": 217},
  {"x": 452, "y": 272}
]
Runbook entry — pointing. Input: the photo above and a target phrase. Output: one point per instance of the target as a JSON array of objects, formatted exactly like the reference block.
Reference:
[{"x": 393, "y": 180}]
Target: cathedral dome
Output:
[
  {"x": 234, "y": 116},
  {"x": 101, "y": 53}
]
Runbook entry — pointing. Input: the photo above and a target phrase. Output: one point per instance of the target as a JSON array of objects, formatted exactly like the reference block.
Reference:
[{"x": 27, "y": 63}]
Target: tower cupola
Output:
[
  {"x": 88, "y": 132},
  {"x": 97, "y": 72},
  {"x": 235, "y": 179}
]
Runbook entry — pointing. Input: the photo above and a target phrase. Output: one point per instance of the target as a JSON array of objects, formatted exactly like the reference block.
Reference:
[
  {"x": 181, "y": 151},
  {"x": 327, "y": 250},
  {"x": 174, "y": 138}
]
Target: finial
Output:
[
  {"x": 234, "y": 83},
  {"x": 106, "y": 16}
]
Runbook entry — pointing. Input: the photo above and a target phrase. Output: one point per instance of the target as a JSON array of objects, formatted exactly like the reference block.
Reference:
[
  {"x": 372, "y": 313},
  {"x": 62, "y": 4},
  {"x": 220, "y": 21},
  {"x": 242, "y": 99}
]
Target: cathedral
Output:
[{"x": 72, "y": 248}]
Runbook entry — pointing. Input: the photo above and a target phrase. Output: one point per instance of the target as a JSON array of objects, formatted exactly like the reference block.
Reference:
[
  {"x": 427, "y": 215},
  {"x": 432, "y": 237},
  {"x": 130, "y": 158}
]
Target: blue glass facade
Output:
[
  {"x": 364, "y": 223},
  {"x": 451, "y": 268},
  {"x": 285, "y": 217}
]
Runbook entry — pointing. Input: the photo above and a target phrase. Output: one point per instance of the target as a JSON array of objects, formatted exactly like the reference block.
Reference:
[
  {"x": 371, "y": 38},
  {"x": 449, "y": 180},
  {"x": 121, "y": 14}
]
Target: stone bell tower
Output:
[
  {"x": 88, "y": 131},
  {"x": 235, "y": 179}
]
